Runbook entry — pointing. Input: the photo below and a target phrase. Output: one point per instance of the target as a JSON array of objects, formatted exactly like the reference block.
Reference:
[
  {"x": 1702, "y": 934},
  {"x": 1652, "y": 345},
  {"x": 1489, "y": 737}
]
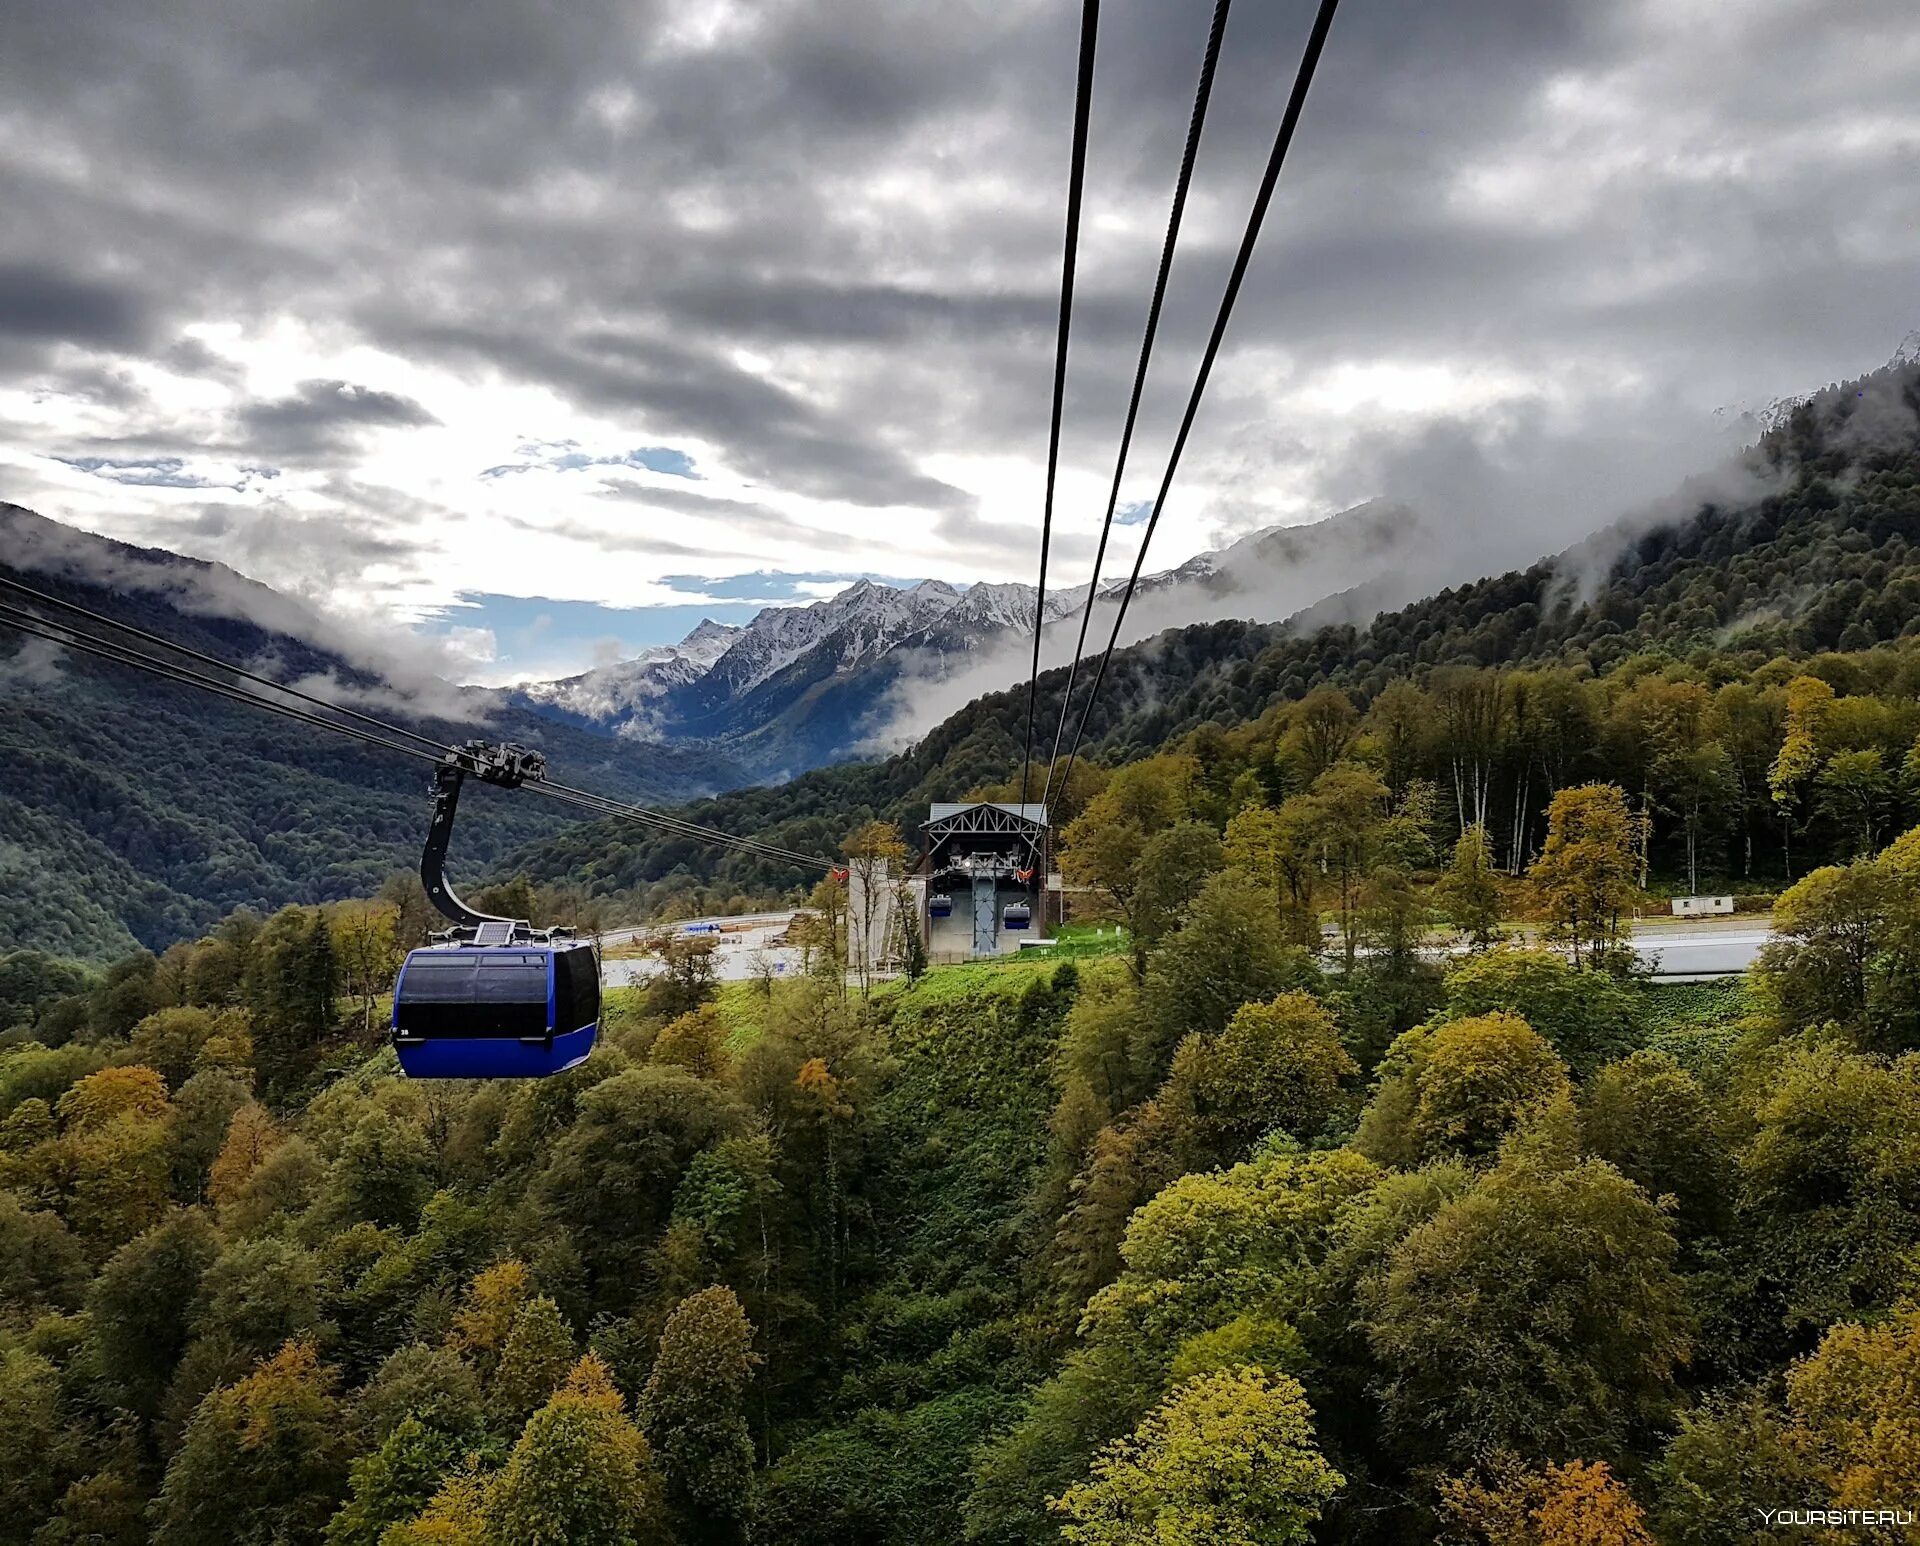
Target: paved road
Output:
[
  {"x": 1700, "y": 950},
  {"x": 736, "y": 950},
  {"x": 1682, "y": 952}
]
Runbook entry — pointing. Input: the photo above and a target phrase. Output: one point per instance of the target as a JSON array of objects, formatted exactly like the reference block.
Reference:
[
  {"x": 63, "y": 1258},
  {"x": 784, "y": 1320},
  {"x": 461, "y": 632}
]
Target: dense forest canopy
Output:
[{"x": 1246, "y": 1233}]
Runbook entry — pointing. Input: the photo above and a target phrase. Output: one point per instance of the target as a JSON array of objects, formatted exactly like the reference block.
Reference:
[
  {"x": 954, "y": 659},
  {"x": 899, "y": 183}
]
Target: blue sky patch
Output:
[
  {"x": 566, "y": 456},
  {"x": 157, "y": 472},
  {"x": 1133, "y": 514},
  {"x": 547, "y": 638}
]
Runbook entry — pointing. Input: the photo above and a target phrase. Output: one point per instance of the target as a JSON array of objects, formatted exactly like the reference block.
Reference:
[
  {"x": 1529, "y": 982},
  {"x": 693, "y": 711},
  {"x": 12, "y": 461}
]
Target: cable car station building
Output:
[{"x": 987, "y": 879}]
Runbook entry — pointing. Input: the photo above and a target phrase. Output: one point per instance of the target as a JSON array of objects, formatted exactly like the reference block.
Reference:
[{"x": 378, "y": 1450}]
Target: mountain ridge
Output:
[
  {"x": 137, "y": 811},
  {"x": 797, "y": 687},
  {"x": 1821, "y": 553}
]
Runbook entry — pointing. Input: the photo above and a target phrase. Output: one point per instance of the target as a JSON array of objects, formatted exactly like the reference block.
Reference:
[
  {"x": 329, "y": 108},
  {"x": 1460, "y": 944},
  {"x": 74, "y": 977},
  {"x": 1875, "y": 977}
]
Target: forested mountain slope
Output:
[
  {"x": 135, "y": 810},
  {"x": 1822, "y": 553}
]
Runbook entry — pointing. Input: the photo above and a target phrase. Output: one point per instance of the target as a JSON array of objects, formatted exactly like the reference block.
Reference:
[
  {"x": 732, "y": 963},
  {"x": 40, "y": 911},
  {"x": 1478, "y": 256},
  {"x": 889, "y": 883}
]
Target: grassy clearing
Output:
[
  {"x": 1699, "y": 1023},
  {"x": 743, "y": 1008}
]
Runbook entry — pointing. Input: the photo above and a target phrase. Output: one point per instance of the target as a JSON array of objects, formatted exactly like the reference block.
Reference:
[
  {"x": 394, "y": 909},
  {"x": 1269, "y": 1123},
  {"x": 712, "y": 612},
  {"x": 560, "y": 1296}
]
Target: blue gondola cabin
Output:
[{"x": 466, "y": 1011}]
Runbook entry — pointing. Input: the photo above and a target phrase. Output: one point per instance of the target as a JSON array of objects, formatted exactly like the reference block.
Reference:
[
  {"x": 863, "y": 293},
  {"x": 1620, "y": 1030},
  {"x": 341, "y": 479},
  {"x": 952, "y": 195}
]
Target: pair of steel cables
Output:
[
  {"x": 73, "y": 626},
  {"x": 1290, "y": 118}
]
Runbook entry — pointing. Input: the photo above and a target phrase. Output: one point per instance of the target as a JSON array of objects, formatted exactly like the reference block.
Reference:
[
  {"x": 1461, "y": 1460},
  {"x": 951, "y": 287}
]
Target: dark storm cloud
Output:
[
  {"x": 318, "y": 417},
  {"x": 771, "y": 433},
  {"x": 818, "y": 240},
  {"x": 36, "y": 301}
]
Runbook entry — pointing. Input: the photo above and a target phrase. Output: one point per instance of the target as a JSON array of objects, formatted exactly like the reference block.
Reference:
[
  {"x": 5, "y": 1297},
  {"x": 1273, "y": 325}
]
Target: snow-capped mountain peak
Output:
[{"x": 726, "y": 682}]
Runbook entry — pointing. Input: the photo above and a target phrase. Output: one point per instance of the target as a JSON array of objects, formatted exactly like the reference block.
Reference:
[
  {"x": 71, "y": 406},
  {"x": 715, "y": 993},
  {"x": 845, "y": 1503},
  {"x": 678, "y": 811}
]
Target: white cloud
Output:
[{"x": 815, "y": 249}]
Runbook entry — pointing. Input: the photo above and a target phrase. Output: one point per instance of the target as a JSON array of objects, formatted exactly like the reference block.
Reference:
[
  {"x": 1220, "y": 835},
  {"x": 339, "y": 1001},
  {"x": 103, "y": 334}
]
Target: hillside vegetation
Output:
[
  {"x": 1231, "y": 1240},
  {"x": 1673, "y": 645},
  {"x": 133, "y": 810}
]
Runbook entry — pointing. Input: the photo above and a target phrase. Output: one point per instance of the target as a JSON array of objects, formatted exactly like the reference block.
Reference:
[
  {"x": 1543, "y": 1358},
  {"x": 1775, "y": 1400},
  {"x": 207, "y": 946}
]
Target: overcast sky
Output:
[{"x": 421, "y": 311}]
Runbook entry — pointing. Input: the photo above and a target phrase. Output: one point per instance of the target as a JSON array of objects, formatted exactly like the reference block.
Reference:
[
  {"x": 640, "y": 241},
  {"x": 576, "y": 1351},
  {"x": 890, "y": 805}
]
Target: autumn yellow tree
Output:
[
  {"x": 1229, "y": 1459},
  {"x": 1585, "y": 875},
  {"x": 1580, "y": 1503},
  {"x": 696, "y": 1041},
  {"x": 580, "y": 1475},
  {"x": 1809, "y": 708},
  {"x": 251, "y": 1137}
]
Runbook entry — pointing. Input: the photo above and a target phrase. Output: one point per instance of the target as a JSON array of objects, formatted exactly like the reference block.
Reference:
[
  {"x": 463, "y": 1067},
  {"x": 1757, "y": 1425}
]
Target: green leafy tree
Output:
[
  {"x": 107, "y": 1508},
  {"x": 384, "y": 1172},
  {"x": 1590, "y": 1017},
  {"x": 129, "y": 991},
  {"x": 913, "y": 944},
  {"x": 1855, "y": 1424},
  {"x": 260, "y": 1293},
  {"x": 36, "y": 1454},
  {"x": 1809, "y": 708},
  {"x": 42, "y": 1266},
  {"x": 611, "y": 1178},
  {"x": 434, "y": 1385},
  {"x": 493, "y": 1302},
  {"x": 538, "y": 1352},
  {"x": 1458, "y": 1089},
  {"x": 1172, "y": 867},
  {"x": 580, "y": 1475},
  {"x": 115, "y": 1154},
  {"x": 1827, "y": 929},
  {"x": 1830, "y": 1181},
  {"x": 263, "y": 1460},
  {"x": 1350, "y": 806},
  {"x": 32, "y": 982},
  {"x": 1469, "y": 891},
  {"x": 171, "y": 1040},
  {"x": 1231, "y": 950},
  {"x": 1538, "y": 1312},
  {"x": 1855, "y": 791},
  {"x": 1101, "y": 847},
  {"x": 1277, "y": 849},
  {"x": 1724, "y": 1468},
  {"x": 511, "y": 898},
  {"x": 1277, "y": 1065},
  {"x": 394, "y": 1483},
  {"x": 203, "y": 1113},
  {"x": 1321, "y": 731},
  {"x": 1651, "y": 1120},
  {"x": 456, "y": 1515},
  {"x": 1229, "y": 1459},
  {"x": 142, "y": 1306},
  {"x": 694, "y": 1413},
  {"x": 292, "y": 979}
]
